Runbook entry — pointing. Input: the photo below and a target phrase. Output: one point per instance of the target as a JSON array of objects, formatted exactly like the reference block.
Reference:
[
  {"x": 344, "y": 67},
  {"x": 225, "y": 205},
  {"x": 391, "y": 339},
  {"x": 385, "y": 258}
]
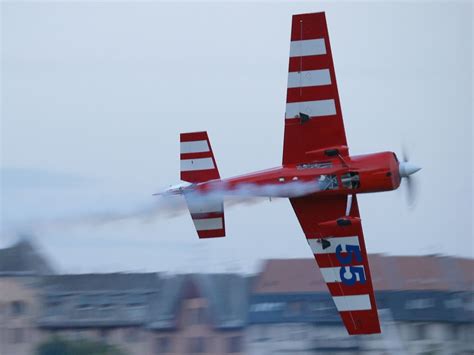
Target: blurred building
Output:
[
  {"x": 140, "y": 313},
  {"x": 426, "y": 307},
  {"x": 113, "y": 308},
  {"x": 21, "y": 270},
  {"x": 200, "y": 314}
]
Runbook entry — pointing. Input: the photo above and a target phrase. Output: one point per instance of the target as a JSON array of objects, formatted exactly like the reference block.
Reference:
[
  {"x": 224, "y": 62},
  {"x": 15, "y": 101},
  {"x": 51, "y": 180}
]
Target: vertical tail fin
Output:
[
  {"x": 198, "y": 165},
  {"x": 197, "y": 160}
]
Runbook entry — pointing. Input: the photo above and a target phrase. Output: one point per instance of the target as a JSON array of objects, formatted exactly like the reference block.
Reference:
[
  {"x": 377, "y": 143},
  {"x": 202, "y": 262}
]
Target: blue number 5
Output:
[
  {"x": 354, "y": 270},
  {"x": 352, "y": 251}
]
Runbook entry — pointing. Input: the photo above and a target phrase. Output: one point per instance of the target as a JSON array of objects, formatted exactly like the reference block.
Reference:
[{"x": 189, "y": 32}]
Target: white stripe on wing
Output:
[
  {"x": 309, "y": 78},
  {"x": 352, "y": 303},
  {"x": 317, "y": 247},
  {"x": 311, "y": 108},
  {"x": 333, "y": 274},
  {"x": 307, "y": 47}
]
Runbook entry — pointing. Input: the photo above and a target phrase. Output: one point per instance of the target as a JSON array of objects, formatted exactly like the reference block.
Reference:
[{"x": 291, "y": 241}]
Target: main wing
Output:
[
  {"x": 343, "y": 263},
  {"x": 313, "y": 117}
]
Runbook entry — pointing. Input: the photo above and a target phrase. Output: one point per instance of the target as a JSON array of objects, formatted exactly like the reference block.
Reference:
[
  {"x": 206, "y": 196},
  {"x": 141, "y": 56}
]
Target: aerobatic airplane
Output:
[{"x": 317, "y": 174}]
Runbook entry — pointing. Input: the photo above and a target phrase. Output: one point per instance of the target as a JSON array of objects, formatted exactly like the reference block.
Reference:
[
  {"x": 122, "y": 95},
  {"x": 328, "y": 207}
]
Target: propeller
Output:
[{"x": 406, "y": 170}]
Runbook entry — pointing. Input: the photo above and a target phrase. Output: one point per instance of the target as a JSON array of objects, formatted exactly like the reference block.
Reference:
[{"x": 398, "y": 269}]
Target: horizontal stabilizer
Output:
[
  {"x": 207, "y": 215},
  {"x": 197, "y": 159},
  {"x": 198, "y": 165}
]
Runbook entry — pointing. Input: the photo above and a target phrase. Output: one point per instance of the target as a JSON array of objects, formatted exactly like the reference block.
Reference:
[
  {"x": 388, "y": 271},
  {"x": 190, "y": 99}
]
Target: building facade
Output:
[
  {"x": 422, "y": 311},
  {"x": 19, "y": 311},
  {"x": 21, "y": 270},
  {"x": 113, "y": 308},
  {"x": 201, "y": 314},
  {"x": 426, "y": 306}
]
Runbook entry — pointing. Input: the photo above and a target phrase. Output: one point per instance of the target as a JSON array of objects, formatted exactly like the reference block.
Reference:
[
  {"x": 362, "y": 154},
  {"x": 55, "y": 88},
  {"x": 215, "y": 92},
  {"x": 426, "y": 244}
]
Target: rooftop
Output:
[
  {"x": 23, "y": 258},
  {"x": 227, "y": 295},
  {"x": 80, "y": 283},
  {"x": 388, "y": 273}
]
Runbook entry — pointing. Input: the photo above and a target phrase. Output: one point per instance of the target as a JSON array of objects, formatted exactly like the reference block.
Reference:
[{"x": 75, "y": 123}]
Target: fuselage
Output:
[{"x": 335, "y": 175}]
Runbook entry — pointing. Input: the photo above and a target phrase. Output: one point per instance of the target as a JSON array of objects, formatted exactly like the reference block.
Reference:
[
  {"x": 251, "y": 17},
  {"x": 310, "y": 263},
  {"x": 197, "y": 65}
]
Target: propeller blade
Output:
[
  {"x": 405, "y": 154},
  {"x": 412, "y": 191},
  {"x": 407, "y": 170}
]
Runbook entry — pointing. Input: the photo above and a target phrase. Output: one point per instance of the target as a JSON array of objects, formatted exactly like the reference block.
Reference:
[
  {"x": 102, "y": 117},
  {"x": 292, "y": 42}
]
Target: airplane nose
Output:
[{"x": 406, "y": 169}]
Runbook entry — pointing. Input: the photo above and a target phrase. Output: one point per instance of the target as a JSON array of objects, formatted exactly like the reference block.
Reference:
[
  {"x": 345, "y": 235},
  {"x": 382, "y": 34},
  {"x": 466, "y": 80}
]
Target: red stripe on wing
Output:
[
  {"x": 361, "y": 322},
  {"x": 310, "y": 62},
  {"x": 340, "y": 289},
  {"x": 310, "y": 93},
  {"x": 331, "y": 260},
  {"x": 308, "y": 26}
]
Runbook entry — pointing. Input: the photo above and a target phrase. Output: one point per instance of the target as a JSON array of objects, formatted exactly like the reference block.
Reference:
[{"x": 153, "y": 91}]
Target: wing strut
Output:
[{"x": 349, "y": 204}]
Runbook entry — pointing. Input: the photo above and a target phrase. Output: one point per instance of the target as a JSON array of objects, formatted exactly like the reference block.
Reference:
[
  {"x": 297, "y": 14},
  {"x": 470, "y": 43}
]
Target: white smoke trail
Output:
[
  {"x": 252, "y": 191},
  {"x": 169, "y": 206},
  {"x": 140, "y": 213}
]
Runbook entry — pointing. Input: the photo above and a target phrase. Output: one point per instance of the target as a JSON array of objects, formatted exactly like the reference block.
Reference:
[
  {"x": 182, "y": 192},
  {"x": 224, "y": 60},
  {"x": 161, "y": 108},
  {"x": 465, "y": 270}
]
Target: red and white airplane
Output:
[{"x": 317, "y": 174}]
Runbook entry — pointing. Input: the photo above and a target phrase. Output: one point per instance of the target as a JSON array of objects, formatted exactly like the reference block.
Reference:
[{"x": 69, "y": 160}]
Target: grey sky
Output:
[{"x": 94, "y": 96}]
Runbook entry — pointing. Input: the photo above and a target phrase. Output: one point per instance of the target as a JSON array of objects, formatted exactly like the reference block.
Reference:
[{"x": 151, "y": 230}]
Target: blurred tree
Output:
[{"x": 60, "y": 346}]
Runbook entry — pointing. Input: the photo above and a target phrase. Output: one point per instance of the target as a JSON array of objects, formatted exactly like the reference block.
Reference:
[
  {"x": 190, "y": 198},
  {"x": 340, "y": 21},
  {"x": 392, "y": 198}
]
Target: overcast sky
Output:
[{"x": 94, "y": 96}]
